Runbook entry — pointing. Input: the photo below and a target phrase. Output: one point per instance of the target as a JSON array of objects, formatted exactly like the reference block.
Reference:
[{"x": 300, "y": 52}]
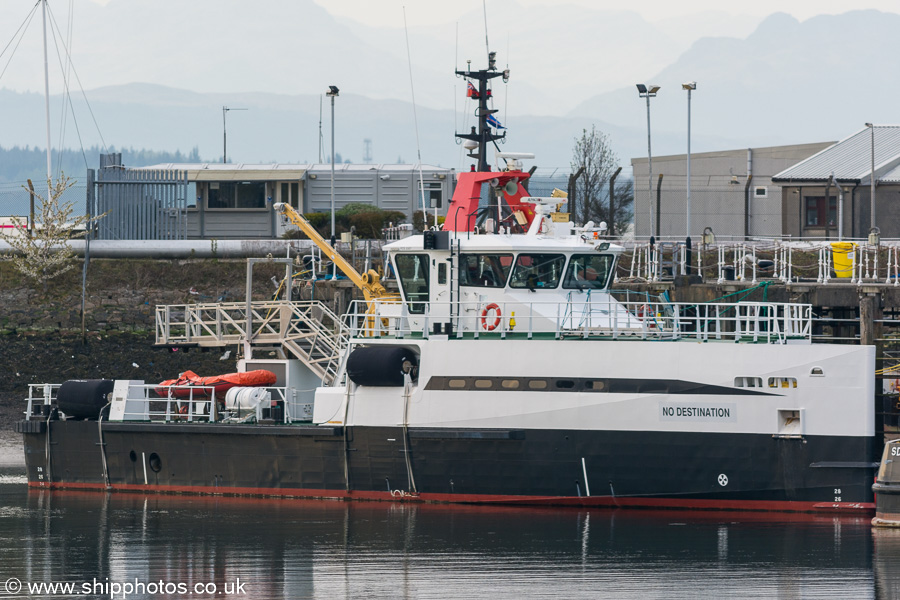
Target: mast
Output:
[
  {"x": 483, "y": 135},
  {"x": 47, "y": 98}
]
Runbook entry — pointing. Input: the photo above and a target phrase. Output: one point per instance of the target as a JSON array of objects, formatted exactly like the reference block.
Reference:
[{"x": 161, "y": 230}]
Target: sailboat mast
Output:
[{"x": 47, "y": 98}]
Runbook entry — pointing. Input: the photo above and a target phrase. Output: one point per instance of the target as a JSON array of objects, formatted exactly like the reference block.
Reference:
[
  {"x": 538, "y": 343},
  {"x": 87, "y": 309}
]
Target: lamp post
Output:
[
  {"x": 649, "y": 91},
  {"x": 332, "y": 93},
  {"x": 689, "y": 86},
  {"x": 225, "y": 110},
  {"x": 871, "y": 127}
]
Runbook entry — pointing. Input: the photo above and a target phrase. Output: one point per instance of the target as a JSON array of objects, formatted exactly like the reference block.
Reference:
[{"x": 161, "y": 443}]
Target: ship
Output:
[{"x": 507, "y": 370}]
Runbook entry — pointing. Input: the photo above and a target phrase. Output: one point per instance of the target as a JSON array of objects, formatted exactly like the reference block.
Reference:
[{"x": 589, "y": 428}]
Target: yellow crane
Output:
[{"x": 369, "y": 282}]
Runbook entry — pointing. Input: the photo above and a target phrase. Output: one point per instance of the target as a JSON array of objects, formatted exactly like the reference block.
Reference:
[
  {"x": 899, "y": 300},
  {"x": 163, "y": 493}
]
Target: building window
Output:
[
  {"x": 434, "y": 196},
  {"x": 194, "y": 195},
  {"x": 290, "y": 194},
  {"x": 236, "y": 195},
  {"x": 816, "y": 214},
  {"x": 760, "y": 191}
]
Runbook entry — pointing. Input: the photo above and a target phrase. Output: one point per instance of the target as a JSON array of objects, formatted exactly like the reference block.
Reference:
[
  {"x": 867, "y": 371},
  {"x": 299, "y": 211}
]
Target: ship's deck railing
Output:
[
  {"x": 196, "y": 404},
  {"x": 307, "y": 329},
  {"x": 606, "y": 318}
]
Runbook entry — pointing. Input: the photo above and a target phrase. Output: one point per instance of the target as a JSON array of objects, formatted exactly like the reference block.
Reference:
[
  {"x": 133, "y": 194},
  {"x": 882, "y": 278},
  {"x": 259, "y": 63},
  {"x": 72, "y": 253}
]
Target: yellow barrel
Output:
[{"x": 842, "y": 255}]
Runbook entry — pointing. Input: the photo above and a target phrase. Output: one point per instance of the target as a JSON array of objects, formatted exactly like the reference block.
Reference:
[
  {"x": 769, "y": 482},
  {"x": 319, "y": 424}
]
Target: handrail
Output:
[
  {"x": 587, "y": 317},
  {"x": 163, "y": 403},
  {"x": 308, "y": 329}
]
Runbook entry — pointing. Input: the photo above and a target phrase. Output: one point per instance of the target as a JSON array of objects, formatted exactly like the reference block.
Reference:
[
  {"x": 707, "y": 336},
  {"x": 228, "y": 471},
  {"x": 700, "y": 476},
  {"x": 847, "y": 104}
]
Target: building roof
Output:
[
  {"x": 268, "y": 172},
  {"x": 232, "y": 172},
  {"x": 380, "y": 167},
  {"x": 850, "y": 159},
  {"x": 892, "y": 176}
]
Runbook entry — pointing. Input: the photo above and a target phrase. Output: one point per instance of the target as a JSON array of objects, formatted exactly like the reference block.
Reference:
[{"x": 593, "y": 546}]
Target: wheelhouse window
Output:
[
  {"x": 412, "y": 271},
  {"x": 484, "y": 270},
  {"x": 588, "y": 271},
  {"x": 817, "y": 215},
  {"x": 537, "y": 271},
  {"x": 236, "y": 195}
]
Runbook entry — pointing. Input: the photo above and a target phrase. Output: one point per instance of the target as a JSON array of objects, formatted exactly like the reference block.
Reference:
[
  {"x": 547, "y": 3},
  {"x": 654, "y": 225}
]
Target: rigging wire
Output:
[
  {"x": 459, "y": 162},
  {"x": 67, "y": 74},
  {"x": 321, "y": 138},
  {"x": 81, "y": 87},
  {"x": 67, "y": 99},
  {"x": 22, "y": 28},
  {"x": 453, "y": 87},
  {"x": 416, "y": 123}
]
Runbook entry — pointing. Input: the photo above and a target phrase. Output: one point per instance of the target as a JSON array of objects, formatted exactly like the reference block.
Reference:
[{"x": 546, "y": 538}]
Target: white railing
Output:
[
  {"x": 586, "y": 317},
  {"x": 853, "y": 261},
  {"x": 175, "y": 403},
  {"x": 308, "y": 329}
]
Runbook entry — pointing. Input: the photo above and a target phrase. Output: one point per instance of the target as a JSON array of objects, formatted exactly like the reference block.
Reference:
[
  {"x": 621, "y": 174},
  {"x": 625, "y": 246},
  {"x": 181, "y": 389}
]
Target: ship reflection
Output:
[{"x": 283, "y": 548}]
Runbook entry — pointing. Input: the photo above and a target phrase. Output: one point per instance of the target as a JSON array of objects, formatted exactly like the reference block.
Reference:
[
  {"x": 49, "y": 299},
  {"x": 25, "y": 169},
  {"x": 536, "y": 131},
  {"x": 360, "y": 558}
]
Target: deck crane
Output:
[{"x": 369, "y": 282}]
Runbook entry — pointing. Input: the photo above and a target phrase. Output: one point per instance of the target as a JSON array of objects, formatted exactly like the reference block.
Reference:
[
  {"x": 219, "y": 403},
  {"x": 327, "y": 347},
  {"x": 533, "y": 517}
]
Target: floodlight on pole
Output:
[
  {"x": 225, "y": 110},
  {"x": 871, "y": 127},
  {"x": 649, "y": 91},
  {"x": 689, "y": 86},
  {"x": 332, "y": 93}
]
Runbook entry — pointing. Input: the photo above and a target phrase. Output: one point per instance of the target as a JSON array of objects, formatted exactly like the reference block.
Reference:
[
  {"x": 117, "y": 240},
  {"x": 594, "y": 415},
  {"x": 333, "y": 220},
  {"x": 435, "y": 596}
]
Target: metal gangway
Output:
[{"x": 307, "y": 329}]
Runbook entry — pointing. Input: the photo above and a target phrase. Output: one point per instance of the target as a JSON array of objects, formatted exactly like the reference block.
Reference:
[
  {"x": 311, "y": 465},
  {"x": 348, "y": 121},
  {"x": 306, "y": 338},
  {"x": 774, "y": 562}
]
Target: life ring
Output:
[{"x": 484, "y": 317}]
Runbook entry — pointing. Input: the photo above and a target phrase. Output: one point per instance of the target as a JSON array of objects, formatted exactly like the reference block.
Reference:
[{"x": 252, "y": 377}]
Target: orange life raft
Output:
[{"x": 202, "y": 387}]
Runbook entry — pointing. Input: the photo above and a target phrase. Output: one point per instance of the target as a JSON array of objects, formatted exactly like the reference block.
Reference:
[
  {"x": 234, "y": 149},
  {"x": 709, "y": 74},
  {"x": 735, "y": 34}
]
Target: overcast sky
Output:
[
  {"x": 384, "y": 12},
  {"x": 228, "y": 50}
]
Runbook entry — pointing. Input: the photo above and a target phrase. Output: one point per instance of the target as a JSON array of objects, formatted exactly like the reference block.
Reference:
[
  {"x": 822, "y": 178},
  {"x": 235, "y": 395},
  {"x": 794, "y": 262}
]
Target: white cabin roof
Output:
[{"x": 510, "y": 243}]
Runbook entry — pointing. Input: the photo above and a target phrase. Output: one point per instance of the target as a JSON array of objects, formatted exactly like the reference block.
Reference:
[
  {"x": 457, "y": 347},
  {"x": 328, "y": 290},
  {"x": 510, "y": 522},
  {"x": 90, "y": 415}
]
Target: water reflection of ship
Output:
[
  {"x": 885, "y": 558},
  {"x": 308, "y": 548}
]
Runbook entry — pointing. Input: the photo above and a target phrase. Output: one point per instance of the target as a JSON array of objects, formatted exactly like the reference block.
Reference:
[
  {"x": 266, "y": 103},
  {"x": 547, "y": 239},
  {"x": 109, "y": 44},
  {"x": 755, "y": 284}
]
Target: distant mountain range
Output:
[{"x": 782, "y": 82}]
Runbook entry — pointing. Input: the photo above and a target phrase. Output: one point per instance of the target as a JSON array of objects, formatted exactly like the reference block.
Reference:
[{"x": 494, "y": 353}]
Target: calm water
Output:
[{"x": 262, "y": 548}]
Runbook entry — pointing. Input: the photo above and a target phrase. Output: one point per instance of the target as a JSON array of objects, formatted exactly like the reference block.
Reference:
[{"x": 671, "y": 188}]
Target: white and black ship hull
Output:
[{"x": 687, "y": 436}]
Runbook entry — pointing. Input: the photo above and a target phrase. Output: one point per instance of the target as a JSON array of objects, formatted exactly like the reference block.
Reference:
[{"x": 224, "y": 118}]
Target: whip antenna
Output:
[
  {"x": 412, "y": 90},
  {"x": 487, "y": 46}
]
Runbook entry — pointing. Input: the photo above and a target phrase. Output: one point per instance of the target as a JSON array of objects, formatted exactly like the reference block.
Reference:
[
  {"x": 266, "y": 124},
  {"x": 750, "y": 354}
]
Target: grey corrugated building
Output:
[
  {"x": 724, "y": 196},
  {"x": 234, "y": 200},
  {"x": 833, "y": 187}
]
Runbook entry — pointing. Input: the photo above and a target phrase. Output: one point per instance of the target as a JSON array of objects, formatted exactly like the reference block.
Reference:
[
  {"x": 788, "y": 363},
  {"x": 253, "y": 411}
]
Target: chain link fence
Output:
[{"x": 15, "y": 200}]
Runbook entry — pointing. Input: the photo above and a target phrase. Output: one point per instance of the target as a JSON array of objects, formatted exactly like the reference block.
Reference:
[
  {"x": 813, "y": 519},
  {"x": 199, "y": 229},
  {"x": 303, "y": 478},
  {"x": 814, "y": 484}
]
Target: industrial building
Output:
[
  {"x": 222, "y": 201},
  {"x": 733, "y": 192},
  {"x": 829, "y": 195}
]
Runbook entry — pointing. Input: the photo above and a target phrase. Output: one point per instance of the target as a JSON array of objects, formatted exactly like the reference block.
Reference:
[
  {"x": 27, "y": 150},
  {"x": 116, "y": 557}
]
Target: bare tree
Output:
[
  {"x": 45, "y": 254},
  {"x": 593, "y": 154}
]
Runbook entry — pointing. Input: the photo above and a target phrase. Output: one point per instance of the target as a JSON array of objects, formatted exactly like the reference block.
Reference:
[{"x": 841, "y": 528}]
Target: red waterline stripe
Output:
[{"x": 496, "y": 499}]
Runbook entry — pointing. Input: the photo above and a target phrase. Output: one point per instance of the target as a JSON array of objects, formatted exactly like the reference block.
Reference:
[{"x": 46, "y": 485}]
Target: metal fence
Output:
[
  {"x": 732, "y": 210},
  {"x": 139, "y": 204},
  {"x": 15, "y": 201}
]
